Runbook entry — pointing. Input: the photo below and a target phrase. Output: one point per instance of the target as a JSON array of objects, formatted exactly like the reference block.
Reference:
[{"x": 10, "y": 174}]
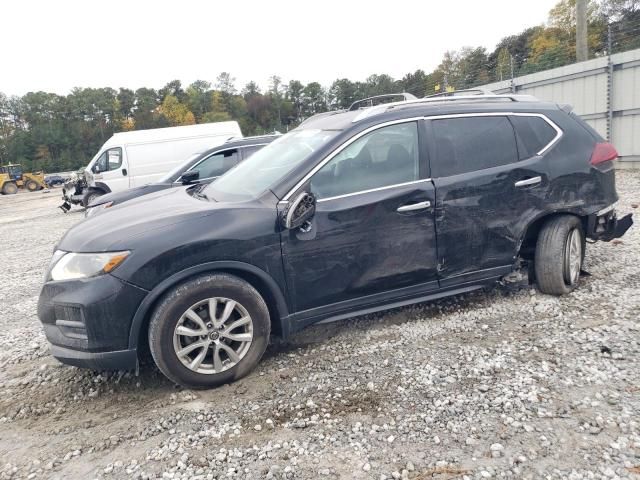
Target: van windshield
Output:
[{"x": 266, "y": 167}]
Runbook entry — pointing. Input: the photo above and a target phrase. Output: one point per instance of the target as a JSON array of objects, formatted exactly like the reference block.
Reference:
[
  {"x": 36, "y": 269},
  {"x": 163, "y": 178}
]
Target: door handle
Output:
[
  {"x": 414, "y": 206},
  {"x": 528, "y": 182}
]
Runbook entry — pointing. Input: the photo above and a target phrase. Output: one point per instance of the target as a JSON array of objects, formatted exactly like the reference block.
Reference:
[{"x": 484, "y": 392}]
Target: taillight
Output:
[{"x": 603, "y": 152}]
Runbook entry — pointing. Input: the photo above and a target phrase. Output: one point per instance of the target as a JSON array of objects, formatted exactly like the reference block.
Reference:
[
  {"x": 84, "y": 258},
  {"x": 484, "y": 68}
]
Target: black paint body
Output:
[{"x": 361, "y": 254}]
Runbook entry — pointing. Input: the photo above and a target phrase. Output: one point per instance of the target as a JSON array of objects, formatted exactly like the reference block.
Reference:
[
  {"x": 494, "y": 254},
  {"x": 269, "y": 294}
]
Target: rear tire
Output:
[
  {"x": 205, "y": 351},
  {"x": 559, "y": 255},
  {"x": 9, "y": 188}
]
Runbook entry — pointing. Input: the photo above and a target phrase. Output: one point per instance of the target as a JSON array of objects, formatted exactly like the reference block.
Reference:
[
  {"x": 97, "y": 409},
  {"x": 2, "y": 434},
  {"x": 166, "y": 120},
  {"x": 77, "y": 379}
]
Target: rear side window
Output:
[
  {"x": 472, "y": 143},
  {"x": 533, "y": 134},
  {"x": 248, "y": 151}
]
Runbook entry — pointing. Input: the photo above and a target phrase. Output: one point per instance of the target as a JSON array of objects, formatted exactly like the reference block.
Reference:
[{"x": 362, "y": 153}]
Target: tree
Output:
[
  {"x": 199, "y": 98},
  {"x": 174, "y": 88},
  {"x": 251, "y": 89},
  {"x": 145, "y": 114},
  {"x": 218, "y": 111},
  {"x": 294, "y": 96},
  {"x": 414, "y": 83},
  {"x": 175, "y": 112},
  {"x": 342, "y": 93},
  {"x": 226, "y": 84},
  {"x": 313, "y": 99}
]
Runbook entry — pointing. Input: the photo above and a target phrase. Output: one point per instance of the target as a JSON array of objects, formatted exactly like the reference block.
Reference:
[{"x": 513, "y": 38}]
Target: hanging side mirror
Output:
[
  {"x": 300, "y": 209},
  {"x": 190, "y": 177}
]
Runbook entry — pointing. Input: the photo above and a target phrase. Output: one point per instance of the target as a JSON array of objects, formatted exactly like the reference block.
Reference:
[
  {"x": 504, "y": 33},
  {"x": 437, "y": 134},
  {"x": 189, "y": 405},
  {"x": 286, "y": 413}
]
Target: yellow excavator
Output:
[{"x": 12, "y": 178}]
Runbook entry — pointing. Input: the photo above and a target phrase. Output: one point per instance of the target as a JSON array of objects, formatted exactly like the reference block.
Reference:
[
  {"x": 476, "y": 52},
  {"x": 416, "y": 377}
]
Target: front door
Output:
[
  {"x": 372, "y": 237},
  {"x": 111, "y": 169}
]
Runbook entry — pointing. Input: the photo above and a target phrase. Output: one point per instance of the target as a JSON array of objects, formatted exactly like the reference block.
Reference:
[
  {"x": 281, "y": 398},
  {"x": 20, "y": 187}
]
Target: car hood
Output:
[
  {"x": 114, "y": 228},
  {"x": 120, "y": 197}
]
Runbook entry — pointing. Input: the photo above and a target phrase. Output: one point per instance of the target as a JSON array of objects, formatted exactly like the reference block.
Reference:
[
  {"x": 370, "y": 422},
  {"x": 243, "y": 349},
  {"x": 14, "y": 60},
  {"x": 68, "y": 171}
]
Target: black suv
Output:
[
  {"x": 202, "y": 167},
  {"x": 352, "y": 212}
]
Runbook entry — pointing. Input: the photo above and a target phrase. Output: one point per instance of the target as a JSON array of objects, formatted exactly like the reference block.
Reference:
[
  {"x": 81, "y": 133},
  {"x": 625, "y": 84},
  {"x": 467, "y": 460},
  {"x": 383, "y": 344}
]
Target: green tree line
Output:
[{"x": 50, "y": 132}]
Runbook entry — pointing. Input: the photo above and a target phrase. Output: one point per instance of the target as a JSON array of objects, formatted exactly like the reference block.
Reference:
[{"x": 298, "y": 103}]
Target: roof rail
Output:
[
  {"x": 440, "y": 98},
  {"x": 468, "y": 91},
  {"x": 354, "y": 106}
]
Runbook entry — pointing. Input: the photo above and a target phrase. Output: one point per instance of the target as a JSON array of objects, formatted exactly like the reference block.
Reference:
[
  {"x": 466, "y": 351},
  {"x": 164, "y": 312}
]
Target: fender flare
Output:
[
  {"x": 227, "y": 266},
  {"x": 541, "y": 218},
  {"x": 102, "y": 186}
]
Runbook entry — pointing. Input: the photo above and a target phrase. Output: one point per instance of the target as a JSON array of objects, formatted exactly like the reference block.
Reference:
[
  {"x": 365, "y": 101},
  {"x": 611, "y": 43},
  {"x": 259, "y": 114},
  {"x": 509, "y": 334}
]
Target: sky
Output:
[{"x": 55, "y": 46}]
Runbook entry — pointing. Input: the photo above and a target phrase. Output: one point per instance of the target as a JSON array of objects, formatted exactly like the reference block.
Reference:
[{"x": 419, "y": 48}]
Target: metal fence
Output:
[{"x": 604, "y": 91}]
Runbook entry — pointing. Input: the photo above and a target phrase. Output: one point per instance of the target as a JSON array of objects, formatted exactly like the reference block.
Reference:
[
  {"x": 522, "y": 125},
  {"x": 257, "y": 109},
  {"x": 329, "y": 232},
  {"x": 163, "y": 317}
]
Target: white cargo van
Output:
[{"x": 130, "y": 159}]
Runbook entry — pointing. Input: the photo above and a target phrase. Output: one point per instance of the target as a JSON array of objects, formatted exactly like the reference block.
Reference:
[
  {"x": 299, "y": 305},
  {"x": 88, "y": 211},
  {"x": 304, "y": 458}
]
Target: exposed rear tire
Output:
[
  {"x": 9, "y": 188},
  {"x": 559, "y": 255},
  {"x": 196, "y": 349}
]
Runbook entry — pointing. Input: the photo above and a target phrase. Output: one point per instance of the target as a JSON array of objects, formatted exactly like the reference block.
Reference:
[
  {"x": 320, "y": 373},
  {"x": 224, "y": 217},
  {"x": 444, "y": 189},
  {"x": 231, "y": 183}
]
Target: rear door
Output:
[
  {"x": 372, "y": 237},
  {"x": 489, "y": 187}
]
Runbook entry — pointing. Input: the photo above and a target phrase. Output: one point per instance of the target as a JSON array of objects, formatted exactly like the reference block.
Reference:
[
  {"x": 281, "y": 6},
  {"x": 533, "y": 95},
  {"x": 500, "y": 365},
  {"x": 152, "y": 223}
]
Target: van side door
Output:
[{"x": 488, "y": 189}]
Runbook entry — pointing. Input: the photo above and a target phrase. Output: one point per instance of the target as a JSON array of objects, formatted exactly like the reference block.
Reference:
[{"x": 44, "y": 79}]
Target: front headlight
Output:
[{"x": 71, "y": 266}]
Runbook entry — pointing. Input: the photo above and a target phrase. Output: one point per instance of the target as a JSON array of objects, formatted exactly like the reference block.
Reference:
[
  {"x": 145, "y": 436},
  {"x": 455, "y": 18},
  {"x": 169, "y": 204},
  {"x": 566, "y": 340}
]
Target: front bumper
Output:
[
  {"x": 118, "y": 360},
  {"x": 88, "y": 321}
]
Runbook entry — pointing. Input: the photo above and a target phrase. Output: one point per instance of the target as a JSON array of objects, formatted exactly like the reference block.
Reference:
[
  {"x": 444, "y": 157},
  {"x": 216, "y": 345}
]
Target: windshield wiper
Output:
[{"x": 198, "y": 193}]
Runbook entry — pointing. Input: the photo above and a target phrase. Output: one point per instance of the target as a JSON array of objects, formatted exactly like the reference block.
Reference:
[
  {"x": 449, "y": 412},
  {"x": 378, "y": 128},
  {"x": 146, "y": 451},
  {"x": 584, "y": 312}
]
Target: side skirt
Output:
[{"x": 297, "y": 322}]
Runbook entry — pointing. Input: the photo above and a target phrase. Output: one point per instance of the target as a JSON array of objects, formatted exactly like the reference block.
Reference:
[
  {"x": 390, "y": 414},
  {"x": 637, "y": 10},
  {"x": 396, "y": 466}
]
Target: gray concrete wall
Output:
[{"x": 584, "y": 85}]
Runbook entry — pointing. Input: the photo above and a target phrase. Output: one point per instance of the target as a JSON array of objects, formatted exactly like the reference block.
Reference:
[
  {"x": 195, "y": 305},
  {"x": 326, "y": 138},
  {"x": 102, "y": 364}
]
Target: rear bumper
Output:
[
  {"x": 606, "y": 226},
  {"x": 118, "y": 360}
]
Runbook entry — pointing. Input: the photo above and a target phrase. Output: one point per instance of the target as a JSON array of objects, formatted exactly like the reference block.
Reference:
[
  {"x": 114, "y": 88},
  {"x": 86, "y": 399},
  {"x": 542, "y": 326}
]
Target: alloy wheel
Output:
[
  {"x": 213, "y": 335},
  {"x": 573, "y": 257}
]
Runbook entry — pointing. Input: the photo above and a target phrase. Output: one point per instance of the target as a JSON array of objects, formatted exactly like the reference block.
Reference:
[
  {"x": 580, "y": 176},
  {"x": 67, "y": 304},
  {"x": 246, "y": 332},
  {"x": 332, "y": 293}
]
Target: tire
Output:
[
  {"x": 559, "y": 255},
  {"x": 9, "y": 188},
  {"x": 31, "y": 185},
  {"x": 172, "y": 317},
  {"x": 90, "y": 196}
]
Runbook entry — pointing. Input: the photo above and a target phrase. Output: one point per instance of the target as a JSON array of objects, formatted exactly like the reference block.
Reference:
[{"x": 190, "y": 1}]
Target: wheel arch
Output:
[
  {"x": 527, "y": 244},
  {"x": 101, "y": 186},
  {"x": 256, "y": 277}
]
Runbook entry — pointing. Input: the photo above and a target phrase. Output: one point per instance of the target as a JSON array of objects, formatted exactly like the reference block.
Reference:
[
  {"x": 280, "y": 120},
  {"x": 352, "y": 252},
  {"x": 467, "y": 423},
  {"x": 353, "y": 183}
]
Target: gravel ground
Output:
[{"x": 497, "y": 384}]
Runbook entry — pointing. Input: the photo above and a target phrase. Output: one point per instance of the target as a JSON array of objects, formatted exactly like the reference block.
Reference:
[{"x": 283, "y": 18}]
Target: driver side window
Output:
[
  {"x": 109, "y": 160},
  {"x": 217, "y": 164},
  {"x": 385, "y": 157}
]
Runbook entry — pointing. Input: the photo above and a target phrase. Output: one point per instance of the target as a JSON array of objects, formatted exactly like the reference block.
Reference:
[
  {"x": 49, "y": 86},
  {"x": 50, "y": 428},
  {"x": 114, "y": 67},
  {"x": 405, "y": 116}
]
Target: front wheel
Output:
[
  {"x": 209, "y": 331},
  {"x": 559, "y": 255},
  {"x": 31, "y": 185}
]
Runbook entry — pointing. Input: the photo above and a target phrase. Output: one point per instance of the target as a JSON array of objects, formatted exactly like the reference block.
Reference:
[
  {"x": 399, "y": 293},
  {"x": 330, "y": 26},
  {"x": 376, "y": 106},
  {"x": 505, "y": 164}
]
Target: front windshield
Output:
[
  {"x": 267, "y": 166},
  {"x": 175, "y": 173}
]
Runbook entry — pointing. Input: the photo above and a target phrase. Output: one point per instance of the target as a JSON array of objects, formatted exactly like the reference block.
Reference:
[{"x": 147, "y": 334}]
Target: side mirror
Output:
[
  {"x": 300, "y": 210},
  {"x": 190, "y": 177}
]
